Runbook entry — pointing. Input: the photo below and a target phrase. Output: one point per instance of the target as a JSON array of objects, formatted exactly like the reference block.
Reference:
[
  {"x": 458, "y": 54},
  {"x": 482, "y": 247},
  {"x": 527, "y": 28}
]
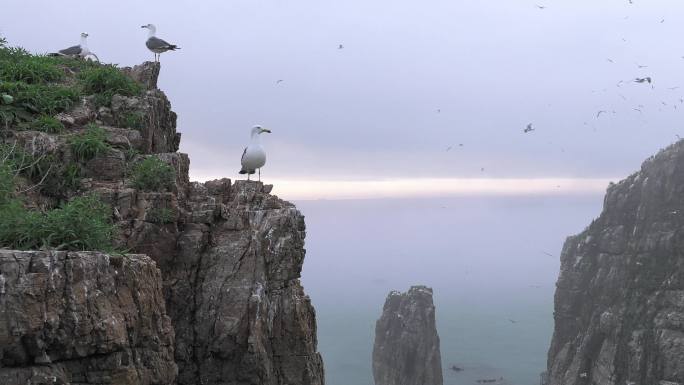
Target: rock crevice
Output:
[
  {"x": 230, "y": 253},
  {"x": 619, "y": 302}
]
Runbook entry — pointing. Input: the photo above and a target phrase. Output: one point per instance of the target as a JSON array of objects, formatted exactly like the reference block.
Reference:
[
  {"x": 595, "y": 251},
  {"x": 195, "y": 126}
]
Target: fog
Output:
[{"x": 425, "y": 100}]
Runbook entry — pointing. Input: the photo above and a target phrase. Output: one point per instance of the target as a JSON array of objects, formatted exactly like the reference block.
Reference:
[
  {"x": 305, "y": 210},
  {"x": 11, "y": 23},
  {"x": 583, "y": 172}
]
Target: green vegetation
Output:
[
  {"x": 133, "y": 120},
  {"x": 71, "y": 177},
  {"x": 83, "y": 223},
  {"x": 161, "y": 215},
  {"x": 152, "y": 174},
  {"x": 35, "y": 85},
  {"x": 48, "y": 124},
  {"x": 87, "y": 145},
  {"x": 105, "y": 81}
]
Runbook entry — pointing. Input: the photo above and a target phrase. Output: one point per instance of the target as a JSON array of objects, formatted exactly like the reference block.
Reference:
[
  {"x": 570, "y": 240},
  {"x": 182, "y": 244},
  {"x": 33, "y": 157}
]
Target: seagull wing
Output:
[
  {"x": 242, "y": 162},
  {"x": 72, "y": 51},
  {"x": 157, "y": 43}
]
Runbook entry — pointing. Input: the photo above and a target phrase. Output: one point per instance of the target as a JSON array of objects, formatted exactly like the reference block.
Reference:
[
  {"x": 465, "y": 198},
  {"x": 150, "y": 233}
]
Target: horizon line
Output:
[{"x": 346, "y": 189}]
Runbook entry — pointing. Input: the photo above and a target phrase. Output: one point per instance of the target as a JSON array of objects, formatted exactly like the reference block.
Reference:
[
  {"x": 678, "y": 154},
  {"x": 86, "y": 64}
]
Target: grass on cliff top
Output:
[
  {"x": 84, "y": 223},
  {"x": 35, "y": 85}
]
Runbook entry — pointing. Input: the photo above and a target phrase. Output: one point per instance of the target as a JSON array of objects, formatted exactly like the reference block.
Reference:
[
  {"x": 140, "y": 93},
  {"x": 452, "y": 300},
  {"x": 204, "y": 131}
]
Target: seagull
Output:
[
  {"x": 254, "y": 157},
  {"x": 155, "y": 44},
  {"x": 598, "y": 114},
  {"x": 279, "y": 81},
  {"x": 340, "y": 46},
  {"x": 449, "y": 148},
  {"x": 540, "y": 6},
  {"x": 528, "y": 128},
  {"x": 642, "y": 80},
  {"x": 75, "y": 51}
]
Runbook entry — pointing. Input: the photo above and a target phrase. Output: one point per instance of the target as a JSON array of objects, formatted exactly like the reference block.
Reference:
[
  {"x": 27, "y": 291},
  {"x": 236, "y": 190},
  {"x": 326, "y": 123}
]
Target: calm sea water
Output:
[{"x": 486, "y": 259}]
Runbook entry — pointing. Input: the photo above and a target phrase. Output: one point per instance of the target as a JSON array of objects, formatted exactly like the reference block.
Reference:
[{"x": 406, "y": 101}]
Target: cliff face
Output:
[
  {"x": 619, "y": 303},
  {"x": 85, "y": 318},
  {"x": 406, "y": 350},
  {"x": 230, "y": 254}
]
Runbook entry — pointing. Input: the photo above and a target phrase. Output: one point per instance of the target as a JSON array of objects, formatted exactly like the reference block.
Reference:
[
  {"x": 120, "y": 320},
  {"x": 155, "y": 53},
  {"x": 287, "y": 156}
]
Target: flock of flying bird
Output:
[{"x": 640, "y": 80}]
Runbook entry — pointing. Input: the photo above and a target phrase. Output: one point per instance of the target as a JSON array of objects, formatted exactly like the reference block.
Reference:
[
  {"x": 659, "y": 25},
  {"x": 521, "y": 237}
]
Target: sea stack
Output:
[{"x": 406, "y": 350}]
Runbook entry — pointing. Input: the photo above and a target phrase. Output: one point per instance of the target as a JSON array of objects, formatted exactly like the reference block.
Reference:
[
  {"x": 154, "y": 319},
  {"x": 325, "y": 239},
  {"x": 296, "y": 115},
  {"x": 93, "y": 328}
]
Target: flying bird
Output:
[
  {"x": 641, "y": 66},
  {"x": 80, "y": 51},
  {"x": 254, "y": 156},
  {"x": 610, "y": 60},
  {"x": 449, "y": 148},
  {"x": 540, "y": 6},
  {"x": 528, "y": 128},
  {"x": 512, "y": 321},
  {"x": 279, "y": 81},
  {"x": 643, "y": 80},
  {"x": 155, "y": 44},
  {"x": 598, "y": 114},
  {"x": 340, "y": 46}
]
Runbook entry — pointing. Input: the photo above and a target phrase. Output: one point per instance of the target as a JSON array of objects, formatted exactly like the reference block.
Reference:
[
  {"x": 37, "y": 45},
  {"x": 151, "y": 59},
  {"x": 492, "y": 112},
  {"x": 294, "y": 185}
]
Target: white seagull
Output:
[
  {"x": 254, "y": 156},
  {"x": 155, "y": 44},
  {"x": 75, "y": 51}
]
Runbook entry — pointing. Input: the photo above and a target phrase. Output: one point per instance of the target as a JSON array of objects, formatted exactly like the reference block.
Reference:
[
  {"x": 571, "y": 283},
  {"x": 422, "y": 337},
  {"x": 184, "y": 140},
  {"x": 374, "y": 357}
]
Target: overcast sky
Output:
[{"x": 370, "y": 111}]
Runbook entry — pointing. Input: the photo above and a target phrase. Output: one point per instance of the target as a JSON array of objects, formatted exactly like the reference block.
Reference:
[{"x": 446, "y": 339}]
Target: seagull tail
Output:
[
  {"x": 243, "y": 172},
  {"x": 55, "y": 54},
  {"x": 174, "y": 47},
  {"x": 249, "y": 172}
]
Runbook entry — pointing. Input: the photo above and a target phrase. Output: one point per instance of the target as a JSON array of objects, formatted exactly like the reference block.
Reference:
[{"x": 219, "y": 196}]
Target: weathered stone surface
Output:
[
  {"x": 619, "y": 303},
  {"x": 83, "y": 318},
  {"x": 406, "y": 350},
  {"x": 146, "y": 73},
  {"x": 240, "y": 313},
  {"x": 230, "y": 255}
]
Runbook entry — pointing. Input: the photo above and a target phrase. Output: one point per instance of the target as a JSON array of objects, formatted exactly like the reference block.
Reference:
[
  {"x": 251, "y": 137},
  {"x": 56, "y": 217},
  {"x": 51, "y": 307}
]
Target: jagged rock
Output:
[
  {"x": 85, "y": 318},
  {"x": 146, "y": 74},
  {"x": 239, "y": 311},
  {"x": 619, "y": 303},
  {"x": 230, "y": 254},
  {"x": 406, "y": 350},
  {"x": 108, "y": 166}
]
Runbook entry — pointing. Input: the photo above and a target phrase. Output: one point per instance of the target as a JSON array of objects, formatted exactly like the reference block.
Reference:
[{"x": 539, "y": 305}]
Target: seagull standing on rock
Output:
[
  {"x": 75, "y": 51},
  {"x": 155, "y": 44},
  {"x": 254, "y": 156}
]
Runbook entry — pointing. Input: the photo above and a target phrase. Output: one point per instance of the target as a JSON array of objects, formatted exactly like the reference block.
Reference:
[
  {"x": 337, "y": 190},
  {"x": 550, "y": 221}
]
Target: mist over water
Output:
[{"x": 485, "y": 258}]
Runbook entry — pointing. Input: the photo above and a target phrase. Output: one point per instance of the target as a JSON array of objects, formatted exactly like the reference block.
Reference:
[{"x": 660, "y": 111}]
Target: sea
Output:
[{"x": 492, "y": 262}]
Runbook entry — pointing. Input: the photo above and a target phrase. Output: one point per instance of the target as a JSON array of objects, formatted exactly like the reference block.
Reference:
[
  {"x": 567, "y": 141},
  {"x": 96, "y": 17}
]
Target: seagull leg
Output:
[
  {"x": 248, "y": 175},
  {"x": 260, "y": 175}
]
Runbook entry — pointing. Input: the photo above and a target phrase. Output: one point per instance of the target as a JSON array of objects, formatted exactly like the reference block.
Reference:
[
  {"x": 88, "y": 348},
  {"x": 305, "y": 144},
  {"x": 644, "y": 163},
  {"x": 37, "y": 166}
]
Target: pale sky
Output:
[{"x": 369, "y": 112}]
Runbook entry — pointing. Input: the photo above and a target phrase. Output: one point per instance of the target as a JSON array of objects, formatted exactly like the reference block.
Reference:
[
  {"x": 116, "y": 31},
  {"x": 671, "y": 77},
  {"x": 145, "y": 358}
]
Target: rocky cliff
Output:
[
  {"x": 230, "y": 253},
  {"x": 86, "y": 318},
  {"x": 406, "y": 350},
  {"x": 619, "y": 303}
]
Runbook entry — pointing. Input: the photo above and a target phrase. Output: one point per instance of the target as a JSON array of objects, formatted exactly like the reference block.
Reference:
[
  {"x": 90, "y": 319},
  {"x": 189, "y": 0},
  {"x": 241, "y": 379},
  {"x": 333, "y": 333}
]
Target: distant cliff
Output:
[
  {"x": 230, "y": 254},
  {"x": 406, "y": 350},
  {"x": 619, "y": 303}
]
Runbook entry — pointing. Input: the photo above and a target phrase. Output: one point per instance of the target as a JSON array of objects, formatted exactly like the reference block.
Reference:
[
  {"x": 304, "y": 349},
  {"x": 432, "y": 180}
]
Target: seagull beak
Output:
[{"x": 265, "y": 130}]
